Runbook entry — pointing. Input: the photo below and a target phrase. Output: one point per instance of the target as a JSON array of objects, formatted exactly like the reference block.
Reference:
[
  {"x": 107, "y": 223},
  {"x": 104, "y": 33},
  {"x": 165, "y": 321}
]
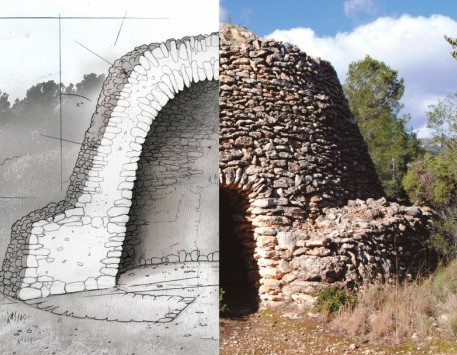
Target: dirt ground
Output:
[
  {"x": 28, "y": 330},
  {"x": 275, "y": 333}
]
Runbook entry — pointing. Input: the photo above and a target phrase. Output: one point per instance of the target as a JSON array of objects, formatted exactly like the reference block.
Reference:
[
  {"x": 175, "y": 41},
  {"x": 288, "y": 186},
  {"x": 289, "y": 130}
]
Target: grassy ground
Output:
[{"x": 425, "y": 309}]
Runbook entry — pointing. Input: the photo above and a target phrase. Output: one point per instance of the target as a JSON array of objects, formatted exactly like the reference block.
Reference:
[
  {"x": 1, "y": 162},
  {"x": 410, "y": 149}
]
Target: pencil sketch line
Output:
[
  {"x": 11, "y": 158},
  {"x": 77, "y": 96},
  {"x": 162, "y": 282},
  {"x": 60, "y": 105},
  {"x": 122, "y": 23},
  {"x": 16, "y": 197},
  {"x": 82, "y": 45},
  {"x": 83, "y": 18},
  {"x": 62, "y": 139}
]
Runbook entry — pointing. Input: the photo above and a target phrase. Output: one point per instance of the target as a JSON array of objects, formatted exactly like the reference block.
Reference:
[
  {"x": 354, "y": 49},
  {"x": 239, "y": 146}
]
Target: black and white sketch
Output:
[{"x": 133, "y": 237}]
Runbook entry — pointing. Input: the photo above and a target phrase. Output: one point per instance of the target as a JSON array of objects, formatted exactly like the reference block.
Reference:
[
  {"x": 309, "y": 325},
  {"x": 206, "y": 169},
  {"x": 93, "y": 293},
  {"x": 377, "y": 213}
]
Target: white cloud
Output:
[
  {"x": 353, "y": 7},
  {"x": 412, "y": 45},
  {"x": 223, "y": 14}
]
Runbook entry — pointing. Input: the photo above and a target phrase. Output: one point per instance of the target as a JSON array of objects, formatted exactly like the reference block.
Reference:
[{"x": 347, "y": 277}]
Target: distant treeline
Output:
[{"x": 45, "y": 96}]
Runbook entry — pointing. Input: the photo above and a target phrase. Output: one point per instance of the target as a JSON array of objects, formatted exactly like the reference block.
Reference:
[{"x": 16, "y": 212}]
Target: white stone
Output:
[
  {"x": 166, "y": 90},
  {"x": 139, "y": 69},
  {"x": 137, "y": 132},
  {"x": 29, "y": 272},
  {"x": 144, "y": 63},
  {"x": 29, "y": 261},
  {"x": 37, "y": 230},
  {"x": 97, "y": 222},
  {"x": 119, "y": 219},
  {"x": 108, "y": 271},
  {"x": 115, "y": 228},
  {"x": 179, "y": 80},
  {"x": 74, "y": 287},
  {"x": 28, "y": 293},
  {"x": 51, "y": 227},
  {"x": 106, "y": 282},
  {"x": 74, "y": 212},
  {"x": 194, "y": 68},
  {"x": 182, "y": 51},
  {"x": 85, "y": 198},
  {"x": 208, "y": 70},
  {"x": 148, "y": 55},
  {"x": 148, "y": 108},
  {"x": 90, "y": 284},
  {"x": 157, "y": 53},
  {"x": 164, "y": 49},
  {"x": 57, "y": 288},
  {"x": 44, "y": 292},
  {"x": 173, "y": 50}
]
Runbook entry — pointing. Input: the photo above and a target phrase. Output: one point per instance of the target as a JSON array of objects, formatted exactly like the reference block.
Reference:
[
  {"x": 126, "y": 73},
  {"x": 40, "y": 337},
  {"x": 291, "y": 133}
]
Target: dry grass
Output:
[{"x": 394, "y": 313}]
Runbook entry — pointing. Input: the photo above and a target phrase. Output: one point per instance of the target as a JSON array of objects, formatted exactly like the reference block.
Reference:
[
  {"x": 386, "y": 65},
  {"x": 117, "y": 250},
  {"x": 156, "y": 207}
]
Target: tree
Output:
[
  {"x": 4, "y": 103},
  {"x": 374, "y": 91},
  {"x": 432, "y": 180},
  {"x": 453, "y": 43},
  {"x": 90, "y": 83}
]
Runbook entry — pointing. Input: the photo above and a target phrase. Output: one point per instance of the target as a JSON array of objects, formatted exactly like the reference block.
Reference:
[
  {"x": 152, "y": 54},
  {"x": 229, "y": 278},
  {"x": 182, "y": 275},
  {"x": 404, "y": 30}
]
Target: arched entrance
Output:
[
  {"x": 174, "y": 200},
  {"x": 239, "y": 274}
]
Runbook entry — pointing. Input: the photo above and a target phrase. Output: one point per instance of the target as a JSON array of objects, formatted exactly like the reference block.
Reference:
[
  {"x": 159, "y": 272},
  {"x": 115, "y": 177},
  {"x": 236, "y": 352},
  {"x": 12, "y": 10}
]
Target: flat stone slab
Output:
[
  {"x": 115, "y": 305},
  {"x": 152, "y": 293},
  {"x": 169, "y": 278}
]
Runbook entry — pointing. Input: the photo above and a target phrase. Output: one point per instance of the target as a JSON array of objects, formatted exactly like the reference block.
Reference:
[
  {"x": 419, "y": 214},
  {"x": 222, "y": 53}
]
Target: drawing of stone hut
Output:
[{"x": 144, "y": 189}]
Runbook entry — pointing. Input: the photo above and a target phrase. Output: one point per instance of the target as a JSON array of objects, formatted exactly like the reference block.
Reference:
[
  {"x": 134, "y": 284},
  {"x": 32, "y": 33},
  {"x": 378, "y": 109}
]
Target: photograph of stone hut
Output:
[{"x": 301, "y": 204}]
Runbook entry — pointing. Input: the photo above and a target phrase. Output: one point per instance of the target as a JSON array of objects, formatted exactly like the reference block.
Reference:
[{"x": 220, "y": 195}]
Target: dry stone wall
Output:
[
  {"x": 291, "y": 148},
  {"x": 78, "y": 244}
]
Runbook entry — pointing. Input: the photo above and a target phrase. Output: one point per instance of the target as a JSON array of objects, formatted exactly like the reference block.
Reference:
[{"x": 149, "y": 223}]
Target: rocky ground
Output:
[{"x": 276, "y": 333}]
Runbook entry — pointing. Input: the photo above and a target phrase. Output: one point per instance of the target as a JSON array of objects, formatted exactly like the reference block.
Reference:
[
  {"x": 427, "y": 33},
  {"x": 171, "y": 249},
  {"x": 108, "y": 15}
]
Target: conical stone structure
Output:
[{"x": 292, "y": 162}]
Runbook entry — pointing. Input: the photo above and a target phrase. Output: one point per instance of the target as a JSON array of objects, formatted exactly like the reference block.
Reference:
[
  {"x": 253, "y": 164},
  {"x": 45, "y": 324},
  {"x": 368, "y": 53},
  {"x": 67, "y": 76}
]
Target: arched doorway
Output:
[
  {"x": 170, "y": 219},
  {"x": 239, "y": 274}
]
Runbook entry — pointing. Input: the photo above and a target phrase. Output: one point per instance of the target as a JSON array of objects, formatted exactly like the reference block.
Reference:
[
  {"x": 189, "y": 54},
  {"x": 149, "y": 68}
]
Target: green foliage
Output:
[
  {"x": 431, "y": 181},
  {"x": 442, "y": 119},
  {"x": 331, "y": 299},
  {"x": 453, "y": 43},
  {"x": 374, "y": 91},
  {"x": 222, "y": 305}
]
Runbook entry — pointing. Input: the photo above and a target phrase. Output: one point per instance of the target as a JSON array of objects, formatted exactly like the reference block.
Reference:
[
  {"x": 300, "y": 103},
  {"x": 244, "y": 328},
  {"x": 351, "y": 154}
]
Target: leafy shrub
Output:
[
  {"x": 222, "y": 305},
  {"x": 331, "y": 299}
]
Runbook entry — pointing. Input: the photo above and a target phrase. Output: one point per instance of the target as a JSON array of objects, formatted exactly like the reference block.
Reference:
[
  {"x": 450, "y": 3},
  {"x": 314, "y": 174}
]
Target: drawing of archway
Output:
[{"x": 156, "y": 123}]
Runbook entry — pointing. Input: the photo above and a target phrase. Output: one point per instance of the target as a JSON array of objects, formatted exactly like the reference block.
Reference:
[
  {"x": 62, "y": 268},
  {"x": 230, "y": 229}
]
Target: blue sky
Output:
[
  {"x": 406, "y": 34},
  {"x": 326, "y": 17}
]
